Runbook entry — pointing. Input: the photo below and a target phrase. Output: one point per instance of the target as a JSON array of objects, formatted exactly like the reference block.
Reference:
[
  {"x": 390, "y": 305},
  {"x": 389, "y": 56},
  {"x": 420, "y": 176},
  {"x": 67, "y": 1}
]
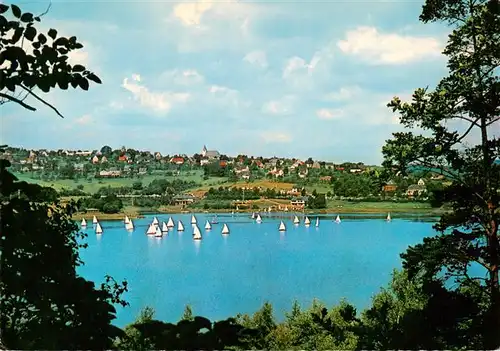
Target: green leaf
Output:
[
  {"x": 30, "y": 33},
  {"x": 83, "y": 83},
  {"x": 63, "y": 83},
  {"x": 52, "y": 33},
  {"x": 27, "y": 17},
  {"x": 78, "y": 68},
  {"x": 94, "y": 78},
  {"x": 16, "y": 11},
  {"x": 3, "y": 8},
  {"x": 42, "y": 38}
]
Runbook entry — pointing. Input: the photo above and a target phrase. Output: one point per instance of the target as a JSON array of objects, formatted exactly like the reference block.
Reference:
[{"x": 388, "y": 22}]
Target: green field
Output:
[
  {"x": 382, "y": 206},
  {"x": 94, "y": 185}
]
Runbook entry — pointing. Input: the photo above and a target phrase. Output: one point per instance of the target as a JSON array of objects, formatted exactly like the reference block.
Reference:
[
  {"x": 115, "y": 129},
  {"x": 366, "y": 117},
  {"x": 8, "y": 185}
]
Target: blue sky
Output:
[{"x": 298, "y": 79}]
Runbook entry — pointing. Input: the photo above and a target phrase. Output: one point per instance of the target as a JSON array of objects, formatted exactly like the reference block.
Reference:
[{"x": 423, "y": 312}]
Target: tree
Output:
[
  {"x": 44, "y": 65},
  {"x": 470, "y": 94},
  {"x": 40, "y": 242},
  {"x": 106, "y": 150},
  {"x": 188, "y": 314}
]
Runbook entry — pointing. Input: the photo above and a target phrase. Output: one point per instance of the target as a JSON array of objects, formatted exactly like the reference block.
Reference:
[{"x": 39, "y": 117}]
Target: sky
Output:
[{"x": 264, "y": 78}]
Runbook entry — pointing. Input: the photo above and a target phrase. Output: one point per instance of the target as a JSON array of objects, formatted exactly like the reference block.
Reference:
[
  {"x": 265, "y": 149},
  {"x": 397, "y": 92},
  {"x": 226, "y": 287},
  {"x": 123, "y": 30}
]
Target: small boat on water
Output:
[
  {"x": 196, "y": 233},
  {"x": 170, "y": 223},
  {"x": 307, "y": 222},
  {"x": 208, "y": 226},
  {"x": 127, "y": 220},
  {"x": 180, "y": 226},
  {"x": 317, "y": 222},
  {"x": 259, "y": 219},
  {"x": 282, "y": 227},
  {"x": 151, "y": 230},
  {"x": 225, "y": 229},
  {"x": 84, "y": 222},
  {"x": 193, "y": 219},
  {"x": 253, "y": 215},
  {"x": 94, "y": 220},
  {"x": 214, "y": 220},
  {"x": 388, "y": 219},
  {"x": 98, "y": 229},
  {"x": 155, "y": 221},
  {"x": 296, "y": 220},
  {"x": 129, "y": 225},
  {"x": 164, "y": 227},
  {"x": 337, "y": 220},
  {"x": 158, "y": 233}
]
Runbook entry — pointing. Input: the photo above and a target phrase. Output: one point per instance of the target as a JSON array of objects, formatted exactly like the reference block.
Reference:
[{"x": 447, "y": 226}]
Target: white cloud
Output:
[
  {"x": 344, "y": 93},
  {"x": 257, "y": 58},
  {"x": 325, "y": 113},
  {"x": 275, "y": 137},
  {"x": 183, "y": 77},
  {"x": 84, "y": 120},
  {"x": 380, "y": 48},
  {"x": 227, "y": 96},
  {"x": 283, "y": 106},
  {"x": 190, "y": 13},
  {"x": 156, "y": 101}
]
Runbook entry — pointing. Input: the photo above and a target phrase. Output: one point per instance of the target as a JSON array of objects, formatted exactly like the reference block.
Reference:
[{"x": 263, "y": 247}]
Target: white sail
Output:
[
  {"x": 84, "y": 222},
  {"x": 307, "y": 221},
  {"x": 164, "y": 227},
  {"x": 253, "y": 215},
  {"x": 282, "y": 227},
  {"x": 193, "y": 219},
  {"x": 98, "y": 229},
  {"x": 180, "y": 226},
  {"x": 208, "y": 226},
  {"x": 94, "y": 220},
  {"x": 127, "y": 220},
  {"x": 170, "y": 223},
  {"x": 296, "y": 220},
  {"x": 225, "y": 229},
  {"x": 158, "y": 233},
  {"x": 269, "y": 209},
  {"x": 337, "y": 219},
  {"x": 196, "y": 233},
  {"x": 129, "y": 225},
  {"x": 389, "y": 217},
  {"x": 317, "y": 221},
  {"x": 155, "y": 221},
  {"x": 259, "y": 219},
  {"x": 286, "y": 208},
  {"x": 151, "y": 229}
]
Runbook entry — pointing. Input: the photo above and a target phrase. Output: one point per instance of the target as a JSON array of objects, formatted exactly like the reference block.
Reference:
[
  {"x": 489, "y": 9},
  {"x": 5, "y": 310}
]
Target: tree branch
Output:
[
  {"x": 41, "y": 100},
  {"x": 20, "y": 102},
  {"x": 467, "y": 131}
]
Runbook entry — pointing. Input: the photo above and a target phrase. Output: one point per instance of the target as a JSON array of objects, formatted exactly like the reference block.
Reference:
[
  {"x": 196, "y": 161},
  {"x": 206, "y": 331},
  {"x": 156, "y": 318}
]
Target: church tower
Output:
[{"x": 204, "y": 151}]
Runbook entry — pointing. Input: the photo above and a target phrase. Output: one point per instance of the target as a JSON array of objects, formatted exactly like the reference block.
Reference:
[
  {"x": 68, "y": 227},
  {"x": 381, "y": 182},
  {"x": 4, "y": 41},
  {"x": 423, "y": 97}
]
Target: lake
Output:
[{"x": 221, "y": 276}]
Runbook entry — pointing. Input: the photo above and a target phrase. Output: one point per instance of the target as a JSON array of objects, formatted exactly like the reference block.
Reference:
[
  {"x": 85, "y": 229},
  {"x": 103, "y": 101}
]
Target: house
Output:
[
  {"x": 104, "y": 159},
  {"x": 316, "y": 165},
  {"x": 210, "y": 154},
  {"x": 294, "y": 192},
  {"x": 299, "y": 203},
  {"x": 223, "y": 163},
  {"x": 416, "y": 189},
  {"x": 204, "y": 161},
  {"x": 184, "y": 200},
  {"x": 110, "y": 174},
  {"x": 277, "y": 172},
  {"x": 303, "y": 173},
  {"x": 157, "y": 156},
  {"x": 326, "y": 179},
  {"x": 123, "y": 158},
  {"x": 245, "y": 175},
  {"x": 95, "y": 159},
  {"x": 177, "y": 160},
  {"x": 241, "y": 169},
  {"x": 142, "y": 170},
  {"x": 390, "y": 187},
  {"x": 356, "y": 170}
]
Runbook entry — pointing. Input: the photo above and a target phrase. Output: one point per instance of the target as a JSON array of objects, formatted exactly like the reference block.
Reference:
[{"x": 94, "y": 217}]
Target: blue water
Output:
[{"x": 221, "y": 276}]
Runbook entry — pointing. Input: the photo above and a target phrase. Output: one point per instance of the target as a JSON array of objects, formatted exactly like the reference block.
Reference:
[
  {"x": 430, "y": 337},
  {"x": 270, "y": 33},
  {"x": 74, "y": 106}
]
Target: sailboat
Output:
[
  {"x": 196, "y": 233},
  {"x": 84, "y": 222},
  {"x": 259, "y": 219},
  {"x": 337, "y": 220},
  {"x": 253, "y": 215},
  {"x": 180, "y": 226},
  {"x": 296, "y": 220},
  {"x": 208, "y": 226},
  {"x": 286, "y": 208},
  {"x": 98, "y": 229},
  {"x": 269, "y": 209},
  {"x": 155, "y": 221},
  {"x": 307, "y": 222},
  {"x": 388, "y": 219},
  {"x": 282, "y": 227},
  {"x": 94, "y": 220},
  {"x": 225, "y": 229},
  {"x": 129, "y": 225},
  {"x": 214, "y": 220},
  {"x": 151, "y": 229},
  {"x": 164, "y": 227},
  {"x": 317, "y": 222},
  {"x": 193, "y": 219},
  {"x": 158, "y": 233},
  {"x": 127, "y": 220},
  {"x": 170, "y": 223}
]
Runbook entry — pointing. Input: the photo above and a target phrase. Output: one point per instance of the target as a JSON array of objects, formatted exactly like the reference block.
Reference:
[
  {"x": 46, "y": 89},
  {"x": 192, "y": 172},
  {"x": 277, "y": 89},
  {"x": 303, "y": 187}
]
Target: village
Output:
[{"x": 210, "y": 180}]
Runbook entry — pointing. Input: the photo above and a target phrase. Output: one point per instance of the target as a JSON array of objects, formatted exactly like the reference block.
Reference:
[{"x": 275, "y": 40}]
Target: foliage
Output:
[
  {"x": 107, "y": 204},
  {"x": 470, "y": 94},
  {"x": 33, "y": 60},
  {"x": 317, "y": 202}
]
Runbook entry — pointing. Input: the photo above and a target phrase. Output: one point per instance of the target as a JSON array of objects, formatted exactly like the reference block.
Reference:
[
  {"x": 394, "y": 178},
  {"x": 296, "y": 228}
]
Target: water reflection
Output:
[{"x": 197, "y": 244}]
